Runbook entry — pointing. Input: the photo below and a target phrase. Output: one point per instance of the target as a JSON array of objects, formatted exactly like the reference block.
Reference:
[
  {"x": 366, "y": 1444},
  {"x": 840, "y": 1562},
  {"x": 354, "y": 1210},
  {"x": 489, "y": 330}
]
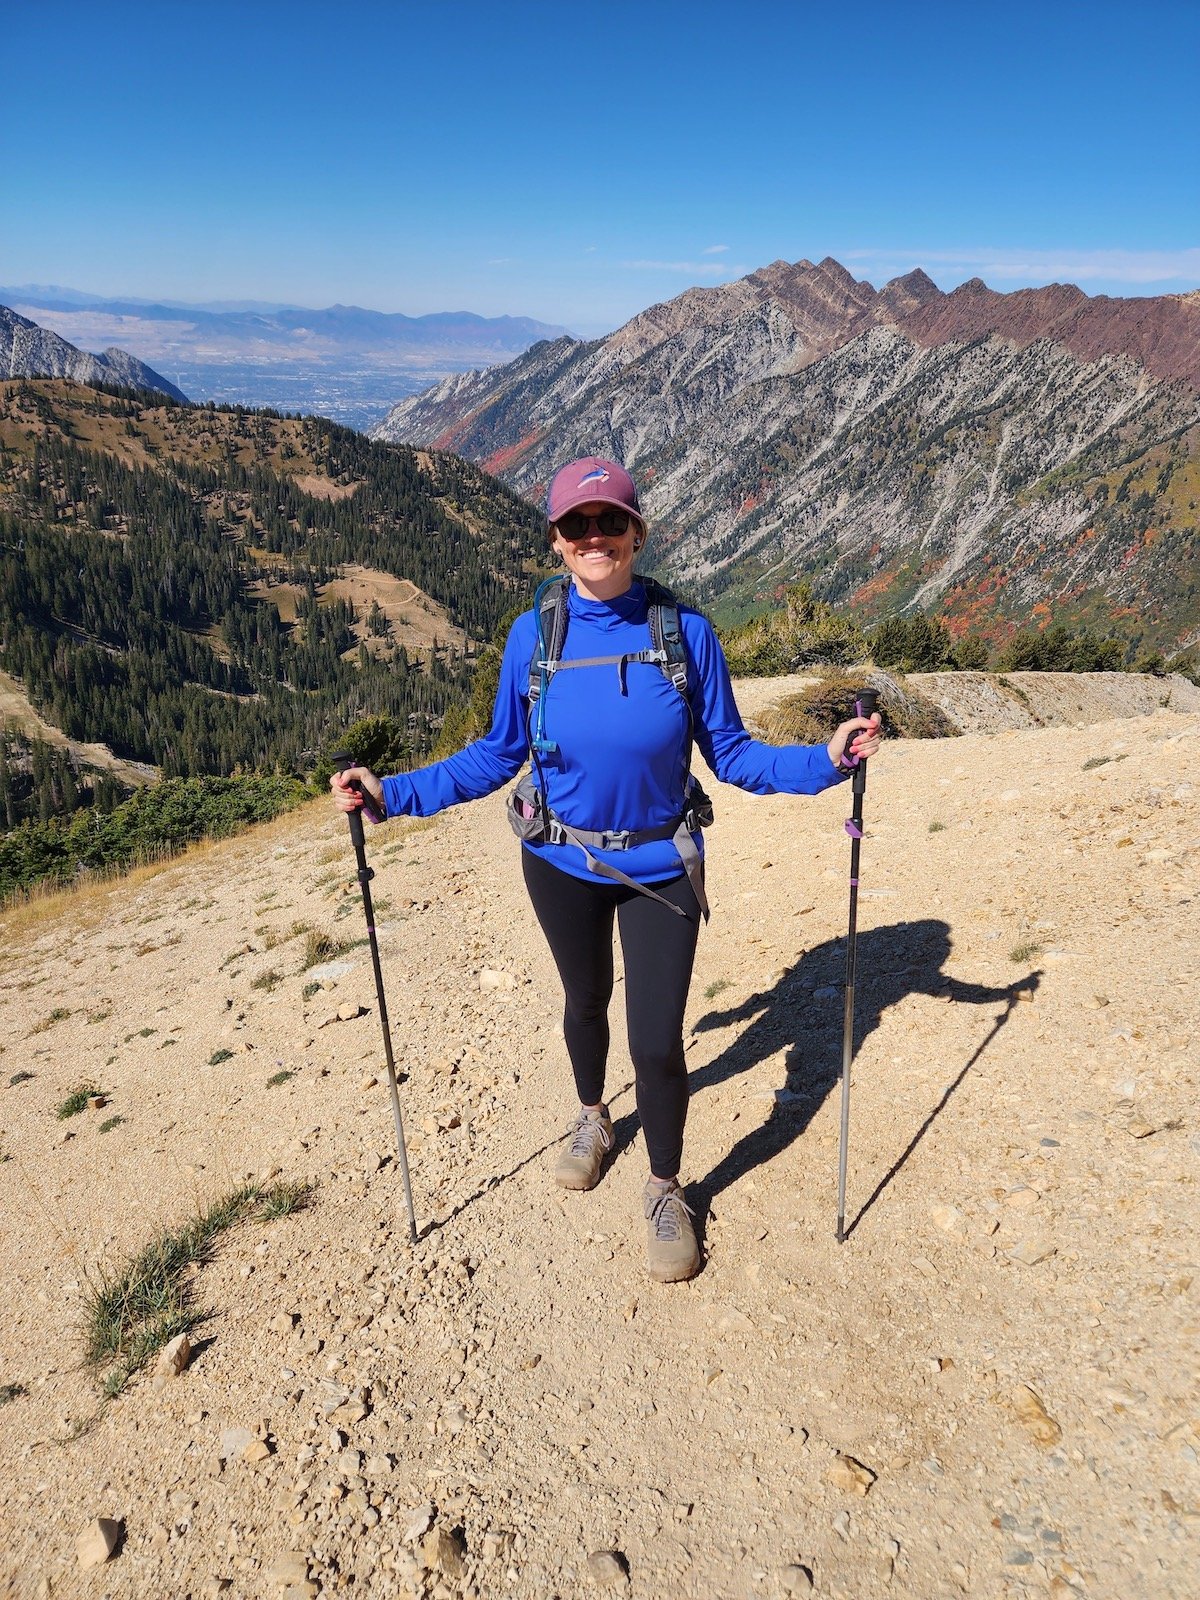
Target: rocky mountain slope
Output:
[
  {"x": 989, "y": 456},
  {"x": 989, "y": 1390},
  {"x": 29, "y": 351}
]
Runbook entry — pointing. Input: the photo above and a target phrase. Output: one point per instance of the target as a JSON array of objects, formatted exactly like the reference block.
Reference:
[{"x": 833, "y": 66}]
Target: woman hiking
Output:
[{"x": 609, "y": 817}]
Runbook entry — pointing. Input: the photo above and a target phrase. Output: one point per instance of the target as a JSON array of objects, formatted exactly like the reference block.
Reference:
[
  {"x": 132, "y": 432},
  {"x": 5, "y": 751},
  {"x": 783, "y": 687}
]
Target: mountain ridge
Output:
[{"x": 1014, "y": 454}]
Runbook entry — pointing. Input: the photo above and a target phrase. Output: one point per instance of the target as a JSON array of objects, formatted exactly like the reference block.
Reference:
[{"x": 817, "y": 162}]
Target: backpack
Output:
[{"x": 529, "y": 815}]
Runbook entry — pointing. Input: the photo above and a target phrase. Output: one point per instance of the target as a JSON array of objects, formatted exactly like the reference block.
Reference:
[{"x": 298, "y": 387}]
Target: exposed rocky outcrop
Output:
[
  {"x": 28, "y": 351},
  {"x": 992, "y": 456}
]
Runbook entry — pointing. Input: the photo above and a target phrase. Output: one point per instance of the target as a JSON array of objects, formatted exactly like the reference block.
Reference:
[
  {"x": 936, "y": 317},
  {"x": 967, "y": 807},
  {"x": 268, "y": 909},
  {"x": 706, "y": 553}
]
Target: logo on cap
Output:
[{"x": 596, "y": 475}]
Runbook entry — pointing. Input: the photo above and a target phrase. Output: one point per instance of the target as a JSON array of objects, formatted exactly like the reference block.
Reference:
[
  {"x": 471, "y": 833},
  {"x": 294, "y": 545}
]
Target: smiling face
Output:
[{"x": 600, "y": 563}]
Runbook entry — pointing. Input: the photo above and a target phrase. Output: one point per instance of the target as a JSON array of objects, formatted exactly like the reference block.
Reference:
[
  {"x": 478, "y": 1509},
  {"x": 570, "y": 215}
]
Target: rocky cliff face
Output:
[
  {"x": 28, "y": 351},
  {"x": 995, "y": 457}
]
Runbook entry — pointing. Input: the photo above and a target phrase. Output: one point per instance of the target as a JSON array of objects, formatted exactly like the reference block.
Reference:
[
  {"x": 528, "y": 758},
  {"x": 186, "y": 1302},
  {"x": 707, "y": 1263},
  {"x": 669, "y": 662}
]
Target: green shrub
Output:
[
  {"x": 803, "y": 632},
  {"x": 1059, "y": 649},
  {"x": 59, "y": 1014},
  {"x": 76, "y": 1101},
  {"x": 378, "y": 742}
]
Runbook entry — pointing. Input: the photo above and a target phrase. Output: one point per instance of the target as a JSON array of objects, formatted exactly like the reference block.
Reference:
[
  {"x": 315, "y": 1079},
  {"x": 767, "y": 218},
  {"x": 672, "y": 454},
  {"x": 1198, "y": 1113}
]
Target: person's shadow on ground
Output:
[{"x": 805, "y": 1010}]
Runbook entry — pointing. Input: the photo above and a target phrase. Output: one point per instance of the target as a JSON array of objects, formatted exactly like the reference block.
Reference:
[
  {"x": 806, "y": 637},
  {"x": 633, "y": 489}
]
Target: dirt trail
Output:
[{"x": 476, "y": 1416}]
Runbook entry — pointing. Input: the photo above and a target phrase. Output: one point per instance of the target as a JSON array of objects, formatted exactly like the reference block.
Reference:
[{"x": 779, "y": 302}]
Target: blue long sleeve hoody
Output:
[{"x": 621, "y": 746}]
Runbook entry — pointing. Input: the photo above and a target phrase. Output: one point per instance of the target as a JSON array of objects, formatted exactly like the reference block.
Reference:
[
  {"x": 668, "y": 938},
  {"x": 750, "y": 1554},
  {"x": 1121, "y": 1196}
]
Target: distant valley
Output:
[{"x": 343, "y": 362}]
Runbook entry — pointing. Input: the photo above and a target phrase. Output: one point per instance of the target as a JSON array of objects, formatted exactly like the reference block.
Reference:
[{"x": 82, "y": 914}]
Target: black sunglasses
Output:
[{"x": 575, "y": 525}]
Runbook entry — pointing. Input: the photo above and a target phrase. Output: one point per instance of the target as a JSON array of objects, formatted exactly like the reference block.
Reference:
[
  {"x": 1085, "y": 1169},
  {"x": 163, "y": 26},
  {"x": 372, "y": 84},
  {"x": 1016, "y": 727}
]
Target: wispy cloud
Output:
[
  {"x": 711, "y": 269},
  {"x": 714, "y": 250},
  {"x": 1043, "y": 266},
  {"x": 501, "y": 261}
]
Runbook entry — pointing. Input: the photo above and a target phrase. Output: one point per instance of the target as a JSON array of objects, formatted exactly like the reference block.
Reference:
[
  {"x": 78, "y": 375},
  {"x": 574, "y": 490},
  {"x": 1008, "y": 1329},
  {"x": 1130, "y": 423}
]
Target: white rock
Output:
[
  {"x": 492, "y": 981},
  {"x": 1029, "y": 1252},
  {"x": 795, "y": 1580},
  {"x": 97, "y": 1542},
  {"x": 288, "y": 1568},
  {"x": 174, "y": 1356},
  {"x": 233, "y": 1442},
  {"x": 949, "y": 1218},
  {"x": 417, "y": 1522},
  {"x": 606, "y": 1568},
  {"x": 444, "y": 1552}
]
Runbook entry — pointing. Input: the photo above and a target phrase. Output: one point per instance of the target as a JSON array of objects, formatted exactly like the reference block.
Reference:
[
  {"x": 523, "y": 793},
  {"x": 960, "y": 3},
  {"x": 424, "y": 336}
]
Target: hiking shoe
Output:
[
  {"x": 672, "y": 1253},
  {"x": 591, "y": 1139}
]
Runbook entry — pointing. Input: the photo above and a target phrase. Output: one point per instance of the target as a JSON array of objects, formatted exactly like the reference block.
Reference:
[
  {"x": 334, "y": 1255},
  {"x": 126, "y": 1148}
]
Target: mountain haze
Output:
[
  {"x": 344, "y": 362},
  {"x": 989, "y": 456}
]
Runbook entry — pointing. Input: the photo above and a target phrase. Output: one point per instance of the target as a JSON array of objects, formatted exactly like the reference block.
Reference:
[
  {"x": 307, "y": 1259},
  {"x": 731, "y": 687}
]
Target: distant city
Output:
[{"x": 355, "y": 399}]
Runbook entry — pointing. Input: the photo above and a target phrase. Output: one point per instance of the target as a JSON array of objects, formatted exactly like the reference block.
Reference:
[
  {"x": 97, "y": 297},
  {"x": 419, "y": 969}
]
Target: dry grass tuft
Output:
[
  {"x": 59, "y": 1014},
  {"x": 320, "y": 946},
  {"x": 131, "y": 1315}
]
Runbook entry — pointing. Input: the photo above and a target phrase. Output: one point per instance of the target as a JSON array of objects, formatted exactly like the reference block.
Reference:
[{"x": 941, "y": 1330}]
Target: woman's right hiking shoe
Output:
[
  {"x": 672, "y": 1253},
  {"x": 591, "y": 1139}
]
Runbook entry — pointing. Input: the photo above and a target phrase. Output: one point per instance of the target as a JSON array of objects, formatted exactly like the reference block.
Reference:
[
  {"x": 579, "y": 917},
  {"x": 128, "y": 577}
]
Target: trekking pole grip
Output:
[
  {"x": 343, "y": 761},
  {"x": 866, "y": 703}
]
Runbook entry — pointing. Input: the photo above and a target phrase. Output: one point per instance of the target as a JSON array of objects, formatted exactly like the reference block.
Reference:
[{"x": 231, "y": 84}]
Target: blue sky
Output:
[{"x": 577, "y": 163}]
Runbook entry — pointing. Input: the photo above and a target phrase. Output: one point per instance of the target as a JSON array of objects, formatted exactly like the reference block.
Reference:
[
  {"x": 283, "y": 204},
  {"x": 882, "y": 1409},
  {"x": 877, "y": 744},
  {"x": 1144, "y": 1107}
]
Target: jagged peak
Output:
[
  {"x": 917, "y": 281},
  {"x": 833, "y": 268}
]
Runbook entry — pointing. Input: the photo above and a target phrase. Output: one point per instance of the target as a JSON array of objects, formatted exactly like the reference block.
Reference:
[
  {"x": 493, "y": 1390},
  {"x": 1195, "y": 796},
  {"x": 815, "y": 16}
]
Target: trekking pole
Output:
[
  {"x": 365, "y": 874},
  {"x": 864, "y": 706}
]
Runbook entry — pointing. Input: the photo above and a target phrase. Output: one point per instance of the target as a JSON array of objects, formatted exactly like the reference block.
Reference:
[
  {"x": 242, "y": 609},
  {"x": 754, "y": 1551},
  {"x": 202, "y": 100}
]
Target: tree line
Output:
[{"x": 804, "y": 631}]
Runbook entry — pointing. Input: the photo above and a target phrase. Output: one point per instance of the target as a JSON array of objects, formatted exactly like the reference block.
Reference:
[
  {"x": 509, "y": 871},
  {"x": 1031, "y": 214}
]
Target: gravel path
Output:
[{"x": 989, "y": 1390}]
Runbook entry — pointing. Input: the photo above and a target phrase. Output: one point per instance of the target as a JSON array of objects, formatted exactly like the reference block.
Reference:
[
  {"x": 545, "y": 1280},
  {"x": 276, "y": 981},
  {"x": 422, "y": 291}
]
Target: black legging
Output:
[{"x": 659, "y": 946}]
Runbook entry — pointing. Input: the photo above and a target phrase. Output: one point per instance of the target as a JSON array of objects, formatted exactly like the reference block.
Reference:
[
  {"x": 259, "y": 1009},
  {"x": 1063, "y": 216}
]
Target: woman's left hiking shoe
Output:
[
  {"x": 581, "y": 1162},
  {"x": 672, "y": 1253}
]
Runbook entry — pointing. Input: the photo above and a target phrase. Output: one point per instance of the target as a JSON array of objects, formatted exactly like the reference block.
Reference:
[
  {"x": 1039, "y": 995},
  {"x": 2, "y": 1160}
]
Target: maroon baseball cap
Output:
[{"x": 592, "y": 479}]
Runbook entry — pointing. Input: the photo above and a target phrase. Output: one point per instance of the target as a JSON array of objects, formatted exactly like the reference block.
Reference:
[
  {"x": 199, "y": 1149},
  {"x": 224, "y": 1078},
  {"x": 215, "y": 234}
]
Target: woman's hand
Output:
[
  {"x": 860, "y": 736},
  {"x": 346, "y": 798}
]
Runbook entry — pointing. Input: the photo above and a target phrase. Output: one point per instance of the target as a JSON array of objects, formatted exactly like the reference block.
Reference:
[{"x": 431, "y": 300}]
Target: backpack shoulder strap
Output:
[
  {"x": 667, "y": 634},
  {"x": 550, "y": 614}
]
